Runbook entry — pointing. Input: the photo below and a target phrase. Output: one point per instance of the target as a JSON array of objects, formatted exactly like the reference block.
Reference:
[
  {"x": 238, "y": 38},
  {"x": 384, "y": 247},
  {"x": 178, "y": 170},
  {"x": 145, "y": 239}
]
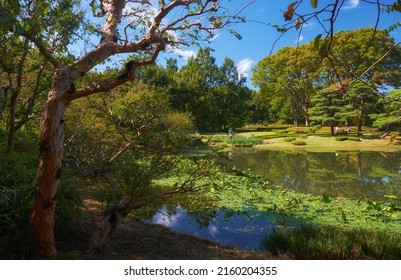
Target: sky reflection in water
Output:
[{"x": 237, "y": 230}]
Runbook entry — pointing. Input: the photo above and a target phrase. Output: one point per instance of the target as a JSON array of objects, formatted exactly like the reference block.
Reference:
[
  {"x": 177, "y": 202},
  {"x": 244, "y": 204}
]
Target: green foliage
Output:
[
  {"x": 328, "y": 108},
  {"x": 213, "y": 95},
  {"x": 292, "y": 79},
  {"x": 15, "y": 206},
  {"x": 349, "y": 138},
  {"x": 17, "y": 173},
  {"x": 324, "y": 242},
  {"x": 289, "y": 139},
  {"x": 363, "y": 97},
  {"x": 134, "y": 133},
  {"x": 243, "y": 192},
  {"x": 286, "y": 82},
  {"x": 298, "y": 143},
  {"x": 314, "y": 129},
  {"x": 326, "y": 198},
  {"x": 391, "y": 113},
  {"x": 245, "y": 140}
]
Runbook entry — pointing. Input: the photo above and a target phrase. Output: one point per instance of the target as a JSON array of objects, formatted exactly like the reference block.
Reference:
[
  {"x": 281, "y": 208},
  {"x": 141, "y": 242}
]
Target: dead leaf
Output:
[
  {"x": 288, "y": 15},
  {"x": 297, "y": 24}
]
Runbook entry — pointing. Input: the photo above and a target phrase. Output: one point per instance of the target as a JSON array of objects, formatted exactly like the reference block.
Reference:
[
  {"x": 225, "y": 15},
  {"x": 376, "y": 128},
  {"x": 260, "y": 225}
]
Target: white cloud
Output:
[
  {"x": 162, "y": 218},
  {"x": 351, "y": 5},
  {"x": 213, "y": 230},
  {"x": 215, "y": 36},
  {"x": 299, "y": 39},
  {"x": 244, "y": 66},
  {"x": 185, "y": 54}
]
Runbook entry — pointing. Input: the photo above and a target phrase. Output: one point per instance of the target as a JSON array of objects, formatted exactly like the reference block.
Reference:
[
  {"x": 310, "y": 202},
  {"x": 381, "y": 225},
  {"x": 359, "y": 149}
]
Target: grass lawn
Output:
[
  {"x": 321, "y": 140},
  {"x": 316, "y": 143}
]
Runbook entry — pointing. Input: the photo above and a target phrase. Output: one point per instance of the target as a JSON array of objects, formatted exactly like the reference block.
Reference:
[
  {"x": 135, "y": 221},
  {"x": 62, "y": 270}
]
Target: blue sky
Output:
[{"x": 258, "y": 39}]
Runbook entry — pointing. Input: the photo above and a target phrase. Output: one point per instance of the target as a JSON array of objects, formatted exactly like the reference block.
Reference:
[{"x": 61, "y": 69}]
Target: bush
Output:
[
  {"x": 313, "y": 129},
  {"x": 245, "y": 140},
  {"x": 350, "y": 138},
  {"x": 298, "y": 143},
  {"x": 289, "y": 139},
  {"x": 15, "y": 205},
  {"x": 17, "y": 176}
]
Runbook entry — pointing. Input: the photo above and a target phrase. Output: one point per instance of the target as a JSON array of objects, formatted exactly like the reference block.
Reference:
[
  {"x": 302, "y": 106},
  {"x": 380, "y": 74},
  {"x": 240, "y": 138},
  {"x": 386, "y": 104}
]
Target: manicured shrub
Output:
[
  {"x": 349, "y": 138},
  {"x": 289, "y": 139},
  {"x": 298, "y": 143}
]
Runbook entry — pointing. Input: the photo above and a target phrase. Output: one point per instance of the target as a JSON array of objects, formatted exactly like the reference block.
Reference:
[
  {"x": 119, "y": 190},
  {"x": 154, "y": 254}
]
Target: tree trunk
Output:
[
  {"x": 11, "y": 122},
  {"x": 111, "y": 220},
  {"x": 51, "y": 149},
  {"x": 3, "y": 97},
  {"x": 360, "y": 115}
]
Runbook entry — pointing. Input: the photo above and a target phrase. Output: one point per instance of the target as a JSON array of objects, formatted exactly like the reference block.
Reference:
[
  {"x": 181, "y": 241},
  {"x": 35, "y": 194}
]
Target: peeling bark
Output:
[
  {"x": 114, "y": 10},
  {"x": 51, "y": 149}
]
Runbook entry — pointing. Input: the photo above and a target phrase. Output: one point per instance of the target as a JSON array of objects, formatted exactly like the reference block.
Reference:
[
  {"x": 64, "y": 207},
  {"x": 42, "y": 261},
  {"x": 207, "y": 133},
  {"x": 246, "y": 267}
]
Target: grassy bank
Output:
[
  {"x": 318, "y": 143},
  {"x": 303, "y": 138},
  {"x": 323, "y": 242}
]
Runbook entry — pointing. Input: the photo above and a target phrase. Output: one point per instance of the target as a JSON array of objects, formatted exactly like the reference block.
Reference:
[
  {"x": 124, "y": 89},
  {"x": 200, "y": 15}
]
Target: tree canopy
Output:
[{"x": 293, "y": 75}]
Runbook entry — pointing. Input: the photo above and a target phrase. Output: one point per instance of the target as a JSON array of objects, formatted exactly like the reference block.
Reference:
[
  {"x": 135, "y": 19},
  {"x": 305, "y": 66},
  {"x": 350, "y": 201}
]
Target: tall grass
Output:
[{"x": 324, "y": 242}]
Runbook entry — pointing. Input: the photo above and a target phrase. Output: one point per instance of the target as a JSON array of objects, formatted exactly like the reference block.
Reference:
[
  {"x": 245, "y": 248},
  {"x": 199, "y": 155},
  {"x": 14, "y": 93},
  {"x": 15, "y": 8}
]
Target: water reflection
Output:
[
  {"x": 339, "y": 174},
  {"x": 346, "y": 174},
  {"x": 240, "y": 230}
]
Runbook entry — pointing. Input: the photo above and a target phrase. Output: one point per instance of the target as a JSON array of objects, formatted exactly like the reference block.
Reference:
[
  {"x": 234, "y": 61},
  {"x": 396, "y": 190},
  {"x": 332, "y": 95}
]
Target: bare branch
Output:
[
  {"x": 127, "y": 75},
  {"x": 380, "y": 59}
]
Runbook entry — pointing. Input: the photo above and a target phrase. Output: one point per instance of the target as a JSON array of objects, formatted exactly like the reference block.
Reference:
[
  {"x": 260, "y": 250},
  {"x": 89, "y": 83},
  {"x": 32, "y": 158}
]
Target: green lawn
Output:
[{"x": 317, "y": 143}]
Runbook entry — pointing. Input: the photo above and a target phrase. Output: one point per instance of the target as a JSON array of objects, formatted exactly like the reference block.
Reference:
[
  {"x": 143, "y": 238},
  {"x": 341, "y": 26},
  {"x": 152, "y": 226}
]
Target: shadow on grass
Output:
[{"x": 323, "y": 242}]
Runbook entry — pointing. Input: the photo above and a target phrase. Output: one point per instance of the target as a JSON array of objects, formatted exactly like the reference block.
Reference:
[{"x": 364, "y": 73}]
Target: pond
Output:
[
  {"x": 338, "y": 174},
  {"x": 246, "y": 231}
]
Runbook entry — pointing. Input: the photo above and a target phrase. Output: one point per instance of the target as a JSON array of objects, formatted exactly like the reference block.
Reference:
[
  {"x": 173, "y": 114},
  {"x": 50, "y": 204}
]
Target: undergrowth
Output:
[{"x": 324, "y": 242}]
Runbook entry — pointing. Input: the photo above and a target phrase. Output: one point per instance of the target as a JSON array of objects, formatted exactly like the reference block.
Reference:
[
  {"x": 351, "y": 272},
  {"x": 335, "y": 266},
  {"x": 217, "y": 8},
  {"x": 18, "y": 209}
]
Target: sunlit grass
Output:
[{"x": 329, "y": 143}]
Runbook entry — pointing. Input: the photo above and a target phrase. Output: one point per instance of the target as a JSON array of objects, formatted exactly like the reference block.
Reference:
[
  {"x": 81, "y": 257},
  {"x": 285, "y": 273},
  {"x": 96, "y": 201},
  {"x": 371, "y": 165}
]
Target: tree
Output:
[
  {"x": 215, "y": 96},
  {"x": 352, "y": 53},
  {"x": 128, "y": 28},
  {"x": 289, "y": 77},
  {"x": 391, "y": 115},
  {"x": 25, "y": 68},
  {"x": 328, "y": 108},
  {"x": 132, "y": 138},
  {"x": 362, "y": 97},
  {"x": 233, "y": 97}
]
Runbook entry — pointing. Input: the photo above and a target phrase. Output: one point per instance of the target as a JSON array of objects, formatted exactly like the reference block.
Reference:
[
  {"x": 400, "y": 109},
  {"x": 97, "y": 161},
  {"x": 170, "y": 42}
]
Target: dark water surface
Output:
[{"x": 346, "y": 174}]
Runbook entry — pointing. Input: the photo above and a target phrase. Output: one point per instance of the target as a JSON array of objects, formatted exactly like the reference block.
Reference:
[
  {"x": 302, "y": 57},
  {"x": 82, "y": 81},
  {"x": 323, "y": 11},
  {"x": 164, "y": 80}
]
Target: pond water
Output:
[
  {"x": 346, "y": 174},
  {"x": 246, "y": 231}
]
